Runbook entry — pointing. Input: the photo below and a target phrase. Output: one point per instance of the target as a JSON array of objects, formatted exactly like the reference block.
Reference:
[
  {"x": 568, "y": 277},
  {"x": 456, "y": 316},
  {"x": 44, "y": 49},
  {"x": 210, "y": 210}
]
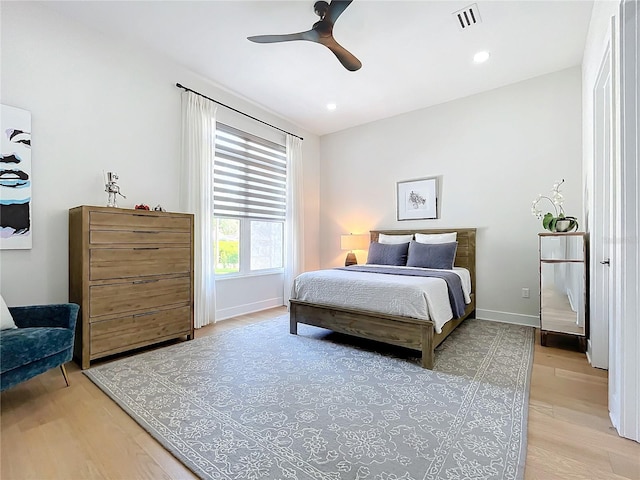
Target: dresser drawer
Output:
[
  {"x": 107, "y": 263},
  {"x": 109, "y": 237},
  {"x": 132, "y": 331},
  {"x": 138, "y": 295},
  {"x": 138, "y": 221}
]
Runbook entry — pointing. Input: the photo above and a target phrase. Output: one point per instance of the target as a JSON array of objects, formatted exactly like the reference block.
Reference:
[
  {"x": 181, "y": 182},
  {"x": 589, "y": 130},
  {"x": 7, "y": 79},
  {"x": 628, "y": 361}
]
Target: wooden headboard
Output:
[{"x": 465, "y": 254}]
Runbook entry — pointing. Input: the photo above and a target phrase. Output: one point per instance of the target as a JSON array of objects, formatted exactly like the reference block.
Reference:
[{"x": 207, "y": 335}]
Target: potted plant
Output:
[{"x": 556, "y": 221}]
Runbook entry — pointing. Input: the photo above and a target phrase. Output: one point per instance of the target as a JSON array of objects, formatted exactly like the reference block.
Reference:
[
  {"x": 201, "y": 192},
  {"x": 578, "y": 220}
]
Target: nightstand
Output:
[{"x": 563, "y": 286}]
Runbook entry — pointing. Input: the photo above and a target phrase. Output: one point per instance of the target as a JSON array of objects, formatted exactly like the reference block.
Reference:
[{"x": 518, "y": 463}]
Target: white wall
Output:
[
  {"x": 495, "y": 152},
  {"x": 97, "y": 105}
]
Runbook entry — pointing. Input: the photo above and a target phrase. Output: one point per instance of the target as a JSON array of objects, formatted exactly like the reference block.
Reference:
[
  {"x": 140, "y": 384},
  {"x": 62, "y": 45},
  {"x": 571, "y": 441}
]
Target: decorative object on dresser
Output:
[
  {"x": 131, "y": 272},
  {"x": 563, "y": 286},
  {"x": 367, "y": 321},
  {"x": 353, "y": 242},
  {"x": 112, "y": 188},
  {"x": 557, "y": 221},
  {"x": 417, "y": 199}
]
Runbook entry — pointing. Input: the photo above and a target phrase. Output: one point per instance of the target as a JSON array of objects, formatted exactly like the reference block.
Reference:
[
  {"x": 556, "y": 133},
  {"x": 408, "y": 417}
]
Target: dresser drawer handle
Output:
[
  {"x": 145, "y": 314},
  {"x": 144, "y": 281},
  {"x": 146, "y": 231},
  {"x": 146, "y": 248}
]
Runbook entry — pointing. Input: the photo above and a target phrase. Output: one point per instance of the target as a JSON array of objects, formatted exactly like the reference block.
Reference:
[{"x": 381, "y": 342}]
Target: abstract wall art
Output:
[
  {"x": 417, "y": 199},
  {"x": 15, "y": 178}
]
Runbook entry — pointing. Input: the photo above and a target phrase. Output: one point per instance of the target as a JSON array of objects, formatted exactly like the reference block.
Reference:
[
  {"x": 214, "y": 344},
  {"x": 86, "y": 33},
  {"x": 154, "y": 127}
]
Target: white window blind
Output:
[{"x": 249, "y": 176}]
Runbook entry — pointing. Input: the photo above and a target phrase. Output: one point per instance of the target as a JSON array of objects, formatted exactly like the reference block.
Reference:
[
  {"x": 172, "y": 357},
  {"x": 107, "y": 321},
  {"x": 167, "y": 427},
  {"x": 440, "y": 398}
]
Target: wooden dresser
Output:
[{"x": 131, "y": 272}]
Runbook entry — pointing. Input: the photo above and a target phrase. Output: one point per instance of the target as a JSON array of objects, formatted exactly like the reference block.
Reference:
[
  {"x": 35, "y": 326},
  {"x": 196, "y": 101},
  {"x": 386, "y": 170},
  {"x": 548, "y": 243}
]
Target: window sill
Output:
[{"x": 236, "y": 276}]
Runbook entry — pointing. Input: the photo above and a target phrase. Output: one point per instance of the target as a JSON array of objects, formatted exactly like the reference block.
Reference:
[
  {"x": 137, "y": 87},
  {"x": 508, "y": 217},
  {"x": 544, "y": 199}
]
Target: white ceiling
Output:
[{"x": 414, "y": 53}]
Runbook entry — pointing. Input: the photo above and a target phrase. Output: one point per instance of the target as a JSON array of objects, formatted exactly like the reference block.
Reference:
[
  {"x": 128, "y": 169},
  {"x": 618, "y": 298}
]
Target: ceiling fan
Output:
[{"x": 321, "y": 32}]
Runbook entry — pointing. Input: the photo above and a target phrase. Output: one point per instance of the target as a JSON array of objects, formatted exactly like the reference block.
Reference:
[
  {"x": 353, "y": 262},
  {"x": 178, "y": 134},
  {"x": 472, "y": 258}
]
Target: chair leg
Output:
[{"x": 64, "y": 374}]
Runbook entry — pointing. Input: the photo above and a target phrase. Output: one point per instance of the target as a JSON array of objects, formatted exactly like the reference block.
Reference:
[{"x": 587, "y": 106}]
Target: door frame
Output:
[
  {"x": 602, "y": 241},
  {"x": 624, "y": 374}
]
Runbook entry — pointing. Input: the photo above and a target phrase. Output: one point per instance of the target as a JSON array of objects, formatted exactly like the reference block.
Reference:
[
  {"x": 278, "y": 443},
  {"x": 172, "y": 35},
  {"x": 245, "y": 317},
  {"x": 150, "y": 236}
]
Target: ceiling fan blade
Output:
[
  {"x": 336, "y": 7},
  {"x": 321, "y": 33},
  {"x": 309, "y": 35},
  {"x": 346, "y": 58}
]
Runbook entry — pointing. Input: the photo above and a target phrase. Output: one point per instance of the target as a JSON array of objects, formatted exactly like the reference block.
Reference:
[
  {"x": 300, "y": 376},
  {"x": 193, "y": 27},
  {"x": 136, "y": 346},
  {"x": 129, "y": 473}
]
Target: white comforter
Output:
[{"x": 424, "y": 298}]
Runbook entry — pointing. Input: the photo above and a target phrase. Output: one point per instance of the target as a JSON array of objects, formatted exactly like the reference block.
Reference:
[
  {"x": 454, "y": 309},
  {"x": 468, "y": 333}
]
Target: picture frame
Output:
[
  {"x": 15, "y": 184},
  {"x": 417, "y": 199}
]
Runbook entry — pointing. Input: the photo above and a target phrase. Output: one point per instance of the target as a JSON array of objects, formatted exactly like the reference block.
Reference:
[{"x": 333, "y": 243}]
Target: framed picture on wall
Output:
[
  {"x": 417, "y": 199},
  {"x": 15, "y": 178}
]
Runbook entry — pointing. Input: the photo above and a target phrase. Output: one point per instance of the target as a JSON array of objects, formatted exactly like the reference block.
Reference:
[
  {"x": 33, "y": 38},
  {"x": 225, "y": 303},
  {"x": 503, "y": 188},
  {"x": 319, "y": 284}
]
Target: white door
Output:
[
  {"x": 602, "y": 231},
  {"x": 624, "y": 356}
]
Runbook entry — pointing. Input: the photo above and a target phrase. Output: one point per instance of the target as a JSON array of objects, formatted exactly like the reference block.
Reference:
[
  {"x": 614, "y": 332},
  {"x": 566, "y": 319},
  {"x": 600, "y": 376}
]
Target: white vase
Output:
[{"x": 563, "y": 226}]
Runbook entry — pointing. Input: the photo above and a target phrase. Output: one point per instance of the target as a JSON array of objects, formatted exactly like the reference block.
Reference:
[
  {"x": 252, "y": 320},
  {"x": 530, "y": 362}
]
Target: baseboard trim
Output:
[
  {"x": 508, "y": 317},
  {"x": 226, "y": 313}
]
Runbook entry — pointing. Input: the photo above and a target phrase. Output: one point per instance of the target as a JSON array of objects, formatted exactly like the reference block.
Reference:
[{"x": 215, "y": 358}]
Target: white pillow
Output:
[
  {"x": 436, "y": 237},
  {"x": 394, "y": 239},
  {"x": 6, "y": 320}
]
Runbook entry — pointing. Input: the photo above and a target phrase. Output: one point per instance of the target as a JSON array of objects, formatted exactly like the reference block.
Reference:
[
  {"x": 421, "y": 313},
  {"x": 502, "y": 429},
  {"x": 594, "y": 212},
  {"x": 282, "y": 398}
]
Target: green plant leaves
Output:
[{"x": 549, "y": 222}]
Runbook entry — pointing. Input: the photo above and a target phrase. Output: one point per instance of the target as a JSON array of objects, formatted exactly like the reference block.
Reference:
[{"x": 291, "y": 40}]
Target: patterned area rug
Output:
[{"x": 258, "y": 403}]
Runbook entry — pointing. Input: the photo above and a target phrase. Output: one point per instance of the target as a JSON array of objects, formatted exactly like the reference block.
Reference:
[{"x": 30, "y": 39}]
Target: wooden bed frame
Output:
[{"x": 401, "y": 331}]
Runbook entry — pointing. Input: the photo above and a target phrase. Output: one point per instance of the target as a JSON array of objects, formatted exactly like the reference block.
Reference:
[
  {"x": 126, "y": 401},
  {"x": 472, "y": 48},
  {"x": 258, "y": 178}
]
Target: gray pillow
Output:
[
  {"x": 432, "y": 255},
  {"x": 388, "y": 254}
]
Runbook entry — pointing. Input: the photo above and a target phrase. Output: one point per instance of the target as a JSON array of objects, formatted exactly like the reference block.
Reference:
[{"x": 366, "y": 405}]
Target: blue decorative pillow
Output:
[
  {"x": 388, "y": 254},
  {"x": 432, "y": 255}
]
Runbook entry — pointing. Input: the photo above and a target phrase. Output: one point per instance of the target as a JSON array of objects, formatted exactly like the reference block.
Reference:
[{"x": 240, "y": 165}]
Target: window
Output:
[
  {"x": 228, "y": 245},
  {"x": 250, "y": 175}
]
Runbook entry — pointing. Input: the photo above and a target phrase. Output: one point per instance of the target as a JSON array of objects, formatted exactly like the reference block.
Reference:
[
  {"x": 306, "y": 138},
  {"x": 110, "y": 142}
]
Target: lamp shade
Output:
[{"x": 354, "y": 242}]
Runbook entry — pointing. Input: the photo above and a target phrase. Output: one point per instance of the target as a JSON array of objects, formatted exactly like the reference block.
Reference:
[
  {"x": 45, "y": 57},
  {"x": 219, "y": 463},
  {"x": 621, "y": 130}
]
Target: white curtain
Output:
[
  {"x": 196, "y": 196},
  {"x": 294, "y": 225}
]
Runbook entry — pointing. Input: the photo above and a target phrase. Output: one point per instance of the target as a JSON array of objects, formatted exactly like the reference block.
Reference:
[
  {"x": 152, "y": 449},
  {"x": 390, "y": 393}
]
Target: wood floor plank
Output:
[
  {"x": 82, "y": 434},
  {"x": 590, "y": 393},
  {"x": 553, "y": 465},
  {"x": 582, "y": 377},
  {"x": 587, "y": 453},
  {"x": 567, "y": 360},
  {"x": 170, "y": 465},
  {"x": 583, "y": 435},
  {"x": 597, "y": 419},
  {"x": 624, "y": 466}
]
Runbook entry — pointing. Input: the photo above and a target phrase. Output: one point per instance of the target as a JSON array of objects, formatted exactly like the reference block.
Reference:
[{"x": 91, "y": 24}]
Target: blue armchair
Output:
[{"x": 43, "y": 340}]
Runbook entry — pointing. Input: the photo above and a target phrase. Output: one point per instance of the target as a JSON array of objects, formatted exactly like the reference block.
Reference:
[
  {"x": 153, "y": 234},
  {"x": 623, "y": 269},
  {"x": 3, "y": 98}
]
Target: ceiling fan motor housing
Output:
[{"x": 321, "y": 8}]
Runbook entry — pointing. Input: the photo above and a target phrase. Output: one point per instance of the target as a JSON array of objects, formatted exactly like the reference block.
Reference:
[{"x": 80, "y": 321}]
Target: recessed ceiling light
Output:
[
  {"x": 331, "y": 106},
  {"x": 481, "y": 57}
]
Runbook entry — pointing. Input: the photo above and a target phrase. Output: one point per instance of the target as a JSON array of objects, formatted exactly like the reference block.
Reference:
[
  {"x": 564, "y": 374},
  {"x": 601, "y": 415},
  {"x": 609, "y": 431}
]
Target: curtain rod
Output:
[{"x": 237, "y": 111}]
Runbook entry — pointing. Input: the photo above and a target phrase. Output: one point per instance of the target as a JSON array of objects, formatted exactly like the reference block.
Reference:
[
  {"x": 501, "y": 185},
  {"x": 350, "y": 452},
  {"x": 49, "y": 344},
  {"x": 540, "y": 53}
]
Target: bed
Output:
[{"x": 404, "y": 331}]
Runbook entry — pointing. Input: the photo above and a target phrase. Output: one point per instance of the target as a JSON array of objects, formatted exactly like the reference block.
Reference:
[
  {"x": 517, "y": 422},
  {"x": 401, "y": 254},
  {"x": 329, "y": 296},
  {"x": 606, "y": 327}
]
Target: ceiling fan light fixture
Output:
[
  {"x": 481, "y": 57},
  {"x": 331, "y": 106}
]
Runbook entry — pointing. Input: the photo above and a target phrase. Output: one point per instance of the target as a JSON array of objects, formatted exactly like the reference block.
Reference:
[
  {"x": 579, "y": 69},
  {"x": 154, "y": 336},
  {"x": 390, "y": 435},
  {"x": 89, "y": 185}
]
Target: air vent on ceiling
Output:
[{"x": 468, "y": 16}]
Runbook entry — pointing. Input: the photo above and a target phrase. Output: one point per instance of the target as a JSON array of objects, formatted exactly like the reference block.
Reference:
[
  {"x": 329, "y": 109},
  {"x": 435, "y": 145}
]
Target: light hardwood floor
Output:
[{"x": 48, "y": 431}]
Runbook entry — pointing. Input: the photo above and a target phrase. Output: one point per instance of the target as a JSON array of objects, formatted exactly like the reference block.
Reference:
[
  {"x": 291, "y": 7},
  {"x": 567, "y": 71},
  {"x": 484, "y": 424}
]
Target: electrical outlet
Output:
[{"x": 525, "y": 293}]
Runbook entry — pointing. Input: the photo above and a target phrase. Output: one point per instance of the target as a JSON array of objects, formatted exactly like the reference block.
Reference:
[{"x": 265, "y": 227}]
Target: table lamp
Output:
[{"x": 353, "y": 242}]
